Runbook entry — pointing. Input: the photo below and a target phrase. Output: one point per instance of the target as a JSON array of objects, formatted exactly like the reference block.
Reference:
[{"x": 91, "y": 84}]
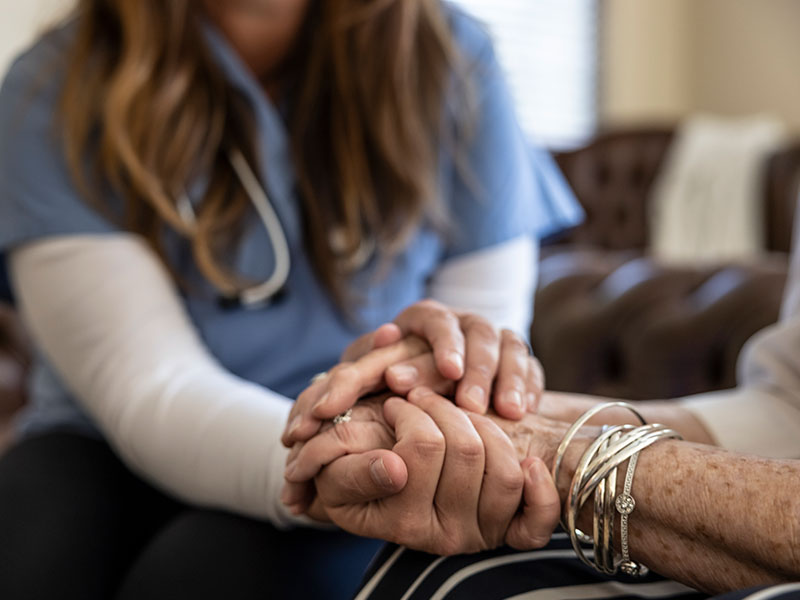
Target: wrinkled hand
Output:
[
  {"x": 464, "y": 483},
  {"x": 366, "y": 431},
  {"x": 341, "y": 387}
]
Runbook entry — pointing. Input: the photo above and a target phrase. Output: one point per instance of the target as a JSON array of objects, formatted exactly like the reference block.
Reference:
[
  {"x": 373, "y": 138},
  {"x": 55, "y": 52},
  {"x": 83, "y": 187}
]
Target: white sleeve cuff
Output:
[{"x": 749, "y": 420}]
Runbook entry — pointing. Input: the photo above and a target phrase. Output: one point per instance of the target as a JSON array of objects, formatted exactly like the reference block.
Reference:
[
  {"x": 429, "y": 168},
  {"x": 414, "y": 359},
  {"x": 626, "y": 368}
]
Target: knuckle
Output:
[
  {"x": 481, "y": 328},
  {"x": 519, "y": 362},
  {"x": 430, "y": 304},
  {"x": 451, "y": 318},
  {"x": 551, "y": 509},
  {"x": 357, "y": 485},
  {"x": 467, "y": 449},
  {"x": 302, "y": 401},
  {"x": 509, "y": 481},
  {"x": 512, "y": 381},
  {"x": 343, "y": 375},
  {"x": 429, "y": 444},
  {"x": 513, "y": 342},
  {"x": 483, "y": 370}
]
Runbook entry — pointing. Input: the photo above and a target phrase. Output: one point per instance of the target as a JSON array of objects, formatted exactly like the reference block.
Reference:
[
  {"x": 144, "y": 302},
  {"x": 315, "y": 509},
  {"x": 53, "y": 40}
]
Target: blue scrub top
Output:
[{"x": 283, "y": 344}]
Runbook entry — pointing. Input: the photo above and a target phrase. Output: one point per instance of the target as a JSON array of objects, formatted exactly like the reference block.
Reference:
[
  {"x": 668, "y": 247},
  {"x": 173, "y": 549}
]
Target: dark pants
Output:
[{"x": 75, "y": 523}]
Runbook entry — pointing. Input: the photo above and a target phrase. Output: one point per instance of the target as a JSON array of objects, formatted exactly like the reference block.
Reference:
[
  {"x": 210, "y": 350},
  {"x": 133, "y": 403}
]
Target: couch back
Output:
[{"x": 612, "y": 176}]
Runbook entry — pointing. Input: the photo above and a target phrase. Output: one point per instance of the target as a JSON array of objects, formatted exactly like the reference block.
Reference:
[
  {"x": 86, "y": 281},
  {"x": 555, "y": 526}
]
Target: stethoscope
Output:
[{"x": 262, "y": 293}]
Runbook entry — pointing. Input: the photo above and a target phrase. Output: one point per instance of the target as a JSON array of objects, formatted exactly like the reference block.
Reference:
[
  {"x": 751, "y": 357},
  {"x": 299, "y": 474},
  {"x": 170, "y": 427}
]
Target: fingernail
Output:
[
  {"x": 322, "y": 401},
  {"x": 404, "y": 375},
  {"x": 514, "y": 398},
  {"x": 456, "y": 360},
  {"x": 296, "y": 509},
  {"x": 379, "y": 474},
  {"x": 294, "y": 425},
  {"x": 476, "y": 397}
]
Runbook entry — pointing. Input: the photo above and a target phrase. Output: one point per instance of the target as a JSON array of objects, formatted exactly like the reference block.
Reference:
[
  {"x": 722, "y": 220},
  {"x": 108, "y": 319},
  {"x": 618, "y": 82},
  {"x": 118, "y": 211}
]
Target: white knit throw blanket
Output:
[{"x": 707, "y": 199}]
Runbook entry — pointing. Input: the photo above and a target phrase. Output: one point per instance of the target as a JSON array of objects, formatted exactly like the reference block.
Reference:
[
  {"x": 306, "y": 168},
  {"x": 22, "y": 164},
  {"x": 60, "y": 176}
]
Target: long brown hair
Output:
[{"x": 369, "y": 83}]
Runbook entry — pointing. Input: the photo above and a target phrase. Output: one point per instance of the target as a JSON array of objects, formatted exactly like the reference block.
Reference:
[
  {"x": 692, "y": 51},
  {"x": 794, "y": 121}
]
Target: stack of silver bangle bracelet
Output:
[{"x": 596, "y": 476}]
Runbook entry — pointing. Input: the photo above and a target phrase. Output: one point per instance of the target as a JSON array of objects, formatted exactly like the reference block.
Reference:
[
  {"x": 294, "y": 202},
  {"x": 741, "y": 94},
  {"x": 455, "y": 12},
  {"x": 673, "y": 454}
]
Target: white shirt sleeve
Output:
[
  {"x": 108, "y": 317},
  {"x": 762, "y": 415},
  {"x": 497, "y": 283}
]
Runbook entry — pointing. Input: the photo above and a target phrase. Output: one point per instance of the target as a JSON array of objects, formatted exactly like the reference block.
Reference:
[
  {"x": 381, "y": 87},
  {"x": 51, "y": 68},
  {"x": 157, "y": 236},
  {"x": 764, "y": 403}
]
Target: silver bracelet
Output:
[
  {"x": 623, "y": 450},
  {"x": 607, "y": 540},
  {"x": 567, "y": 439},
  {"x": 625, "y": 504},
  {"x": 596, "y": 474},
  {"x": 599, "y": 521},
  {"x": 579, "y": 493}
]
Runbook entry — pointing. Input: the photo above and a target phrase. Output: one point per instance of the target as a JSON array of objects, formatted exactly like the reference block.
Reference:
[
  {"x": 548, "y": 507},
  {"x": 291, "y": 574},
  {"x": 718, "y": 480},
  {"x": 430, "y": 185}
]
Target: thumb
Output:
[
  {"x": 541, "y": 508},
  {"x": 359, "y": 478}
]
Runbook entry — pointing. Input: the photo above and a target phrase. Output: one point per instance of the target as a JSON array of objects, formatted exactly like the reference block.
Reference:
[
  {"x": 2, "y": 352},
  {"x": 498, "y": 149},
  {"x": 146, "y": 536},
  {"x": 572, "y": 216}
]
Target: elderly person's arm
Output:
[
  {"x": 704, "y": 516},
  {"x": 707, "y": 517}
]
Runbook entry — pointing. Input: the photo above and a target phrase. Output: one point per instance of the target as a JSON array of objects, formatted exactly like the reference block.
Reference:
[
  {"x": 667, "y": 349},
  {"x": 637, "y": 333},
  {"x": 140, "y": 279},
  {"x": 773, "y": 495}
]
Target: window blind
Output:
[{"x": 548, "y": 49}]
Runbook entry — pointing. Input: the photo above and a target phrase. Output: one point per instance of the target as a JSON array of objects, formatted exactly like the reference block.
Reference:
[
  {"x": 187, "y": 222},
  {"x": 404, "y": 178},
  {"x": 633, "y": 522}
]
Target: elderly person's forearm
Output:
[{"x": 707, "y": 517}]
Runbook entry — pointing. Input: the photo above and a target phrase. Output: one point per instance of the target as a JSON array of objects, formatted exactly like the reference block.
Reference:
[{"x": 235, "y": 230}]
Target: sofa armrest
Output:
[{"x": 625, "y": 326}]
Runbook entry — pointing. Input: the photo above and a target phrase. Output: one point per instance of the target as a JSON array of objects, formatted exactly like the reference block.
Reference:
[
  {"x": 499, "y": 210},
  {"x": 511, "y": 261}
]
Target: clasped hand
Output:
[{"x": 423, "y": 471}]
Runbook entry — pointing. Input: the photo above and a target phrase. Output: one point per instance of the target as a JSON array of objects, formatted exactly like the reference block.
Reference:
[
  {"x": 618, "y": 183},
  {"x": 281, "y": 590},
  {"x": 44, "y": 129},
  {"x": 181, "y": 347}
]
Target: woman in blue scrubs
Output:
[{"x": 202, "y": 203}]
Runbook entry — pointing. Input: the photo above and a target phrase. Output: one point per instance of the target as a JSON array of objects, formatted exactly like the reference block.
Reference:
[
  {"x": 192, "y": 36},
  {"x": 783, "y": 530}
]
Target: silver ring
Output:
[
  {"x": 344, "y": 417},
  {"x": 319, "y": 377}
]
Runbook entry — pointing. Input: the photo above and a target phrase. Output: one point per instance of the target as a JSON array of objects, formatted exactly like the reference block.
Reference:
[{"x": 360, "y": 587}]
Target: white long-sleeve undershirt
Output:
[{"x": 108, "y": 317}]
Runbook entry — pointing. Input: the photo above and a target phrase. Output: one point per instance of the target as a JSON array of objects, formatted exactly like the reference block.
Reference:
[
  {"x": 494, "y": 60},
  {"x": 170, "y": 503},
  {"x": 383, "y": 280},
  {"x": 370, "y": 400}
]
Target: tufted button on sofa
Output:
[{"x": 612, "y": 321}]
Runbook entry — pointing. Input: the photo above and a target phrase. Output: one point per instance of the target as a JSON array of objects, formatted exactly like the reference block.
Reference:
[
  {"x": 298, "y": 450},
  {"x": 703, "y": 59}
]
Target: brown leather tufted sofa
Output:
[{"x": 612, "y": 321}]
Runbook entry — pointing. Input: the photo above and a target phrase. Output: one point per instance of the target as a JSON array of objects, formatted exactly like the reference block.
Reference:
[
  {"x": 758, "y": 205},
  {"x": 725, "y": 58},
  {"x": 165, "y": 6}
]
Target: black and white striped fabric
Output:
[{"x": 551, "y": 573}]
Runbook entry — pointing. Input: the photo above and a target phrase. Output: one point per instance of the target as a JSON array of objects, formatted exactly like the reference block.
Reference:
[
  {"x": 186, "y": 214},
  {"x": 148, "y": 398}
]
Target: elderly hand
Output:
[
  {"x": 464, "y": 484},
  {"x": 367, "y": 430},
  {"x": 340, "y": 388}
]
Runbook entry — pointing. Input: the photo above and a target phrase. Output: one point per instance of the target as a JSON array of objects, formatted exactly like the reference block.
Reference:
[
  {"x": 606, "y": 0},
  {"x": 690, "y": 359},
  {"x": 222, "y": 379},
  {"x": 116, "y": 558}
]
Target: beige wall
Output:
[
  {"x": 663, "y": 59},
  {"x": 645, "y": 47},
  {"x": 748, "y": 57},
  {"x": 20, "y": 20}
]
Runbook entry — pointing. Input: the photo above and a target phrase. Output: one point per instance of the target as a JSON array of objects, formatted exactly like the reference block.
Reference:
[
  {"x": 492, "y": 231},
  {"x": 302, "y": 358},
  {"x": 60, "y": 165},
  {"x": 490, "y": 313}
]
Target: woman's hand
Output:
[
  {"x": 464, "y": 484},
  {"x": 463, "y": 357},
  {"x": 467, "y": 349}
]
